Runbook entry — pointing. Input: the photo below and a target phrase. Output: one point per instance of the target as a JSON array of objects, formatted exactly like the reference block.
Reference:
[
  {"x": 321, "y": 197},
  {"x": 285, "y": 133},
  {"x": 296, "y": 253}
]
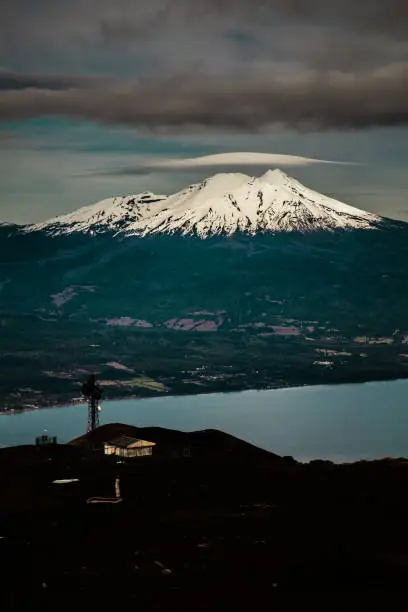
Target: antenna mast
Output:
[{"x": 93, "y": 394}]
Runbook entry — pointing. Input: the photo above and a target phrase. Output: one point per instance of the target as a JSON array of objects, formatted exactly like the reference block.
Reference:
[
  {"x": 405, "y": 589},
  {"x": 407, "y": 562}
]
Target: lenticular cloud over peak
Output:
[{"x": 239, "y": 158}]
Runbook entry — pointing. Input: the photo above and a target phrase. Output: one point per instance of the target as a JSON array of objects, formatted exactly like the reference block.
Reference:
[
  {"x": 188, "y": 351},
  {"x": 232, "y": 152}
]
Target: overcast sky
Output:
[{"x": 101, "y": 98}]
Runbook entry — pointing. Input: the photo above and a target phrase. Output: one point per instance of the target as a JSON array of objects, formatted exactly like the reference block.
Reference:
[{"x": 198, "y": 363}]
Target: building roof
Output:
[
  {"x": 128, "y": 442},
  {"x": 111, "y": 431}
]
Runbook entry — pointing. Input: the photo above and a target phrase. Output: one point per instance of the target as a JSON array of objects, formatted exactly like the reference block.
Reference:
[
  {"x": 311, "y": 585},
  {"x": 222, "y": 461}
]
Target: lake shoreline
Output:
[
  {"x": 341, "y": 423},
  {"x": 118, "y": 398}
]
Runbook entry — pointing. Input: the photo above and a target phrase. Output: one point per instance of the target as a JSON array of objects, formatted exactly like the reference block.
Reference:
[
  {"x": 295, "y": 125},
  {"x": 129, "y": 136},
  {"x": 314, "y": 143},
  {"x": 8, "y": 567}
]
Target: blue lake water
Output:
[{"x": 338, "y": 422}]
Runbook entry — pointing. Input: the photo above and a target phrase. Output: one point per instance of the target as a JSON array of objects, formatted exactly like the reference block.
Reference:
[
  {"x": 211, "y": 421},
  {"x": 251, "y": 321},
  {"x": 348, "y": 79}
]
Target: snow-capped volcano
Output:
[{"x": 221, "y": 204}]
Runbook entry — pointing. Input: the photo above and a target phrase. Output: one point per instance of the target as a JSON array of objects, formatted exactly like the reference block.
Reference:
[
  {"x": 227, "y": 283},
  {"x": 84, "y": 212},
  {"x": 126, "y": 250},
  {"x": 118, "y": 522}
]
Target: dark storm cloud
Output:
[
  {"x": 104, "y": 18},
  {"x": 235, "y": 64},
  {"x": 390, "y": 17},
  {"x": 304, "y": 100},
  {"x": 14, "y": 81},
  {"x": 158, "y": 31}
]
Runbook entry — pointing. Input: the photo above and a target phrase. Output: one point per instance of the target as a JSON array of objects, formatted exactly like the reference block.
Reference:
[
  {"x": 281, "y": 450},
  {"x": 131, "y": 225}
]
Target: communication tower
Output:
[{"x": 93, "y": 394}]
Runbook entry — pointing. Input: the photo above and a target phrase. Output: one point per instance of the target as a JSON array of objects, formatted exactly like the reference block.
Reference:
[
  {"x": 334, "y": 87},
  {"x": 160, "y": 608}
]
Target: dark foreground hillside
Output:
[{"x": 230, "y": 527}]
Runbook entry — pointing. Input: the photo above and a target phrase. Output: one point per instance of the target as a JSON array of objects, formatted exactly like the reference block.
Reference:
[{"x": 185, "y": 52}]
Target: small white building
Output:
[{"x": 124, "y": 446}]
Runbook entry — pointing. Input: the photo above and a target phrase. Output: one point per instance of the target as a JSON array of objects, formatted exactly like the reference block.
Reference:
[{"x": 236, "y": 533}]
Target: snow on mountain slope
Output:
[
  {"x": 221, "y": 204},
  {"x": 112, "y": 214},
  {"x": 226, "y": 203}
]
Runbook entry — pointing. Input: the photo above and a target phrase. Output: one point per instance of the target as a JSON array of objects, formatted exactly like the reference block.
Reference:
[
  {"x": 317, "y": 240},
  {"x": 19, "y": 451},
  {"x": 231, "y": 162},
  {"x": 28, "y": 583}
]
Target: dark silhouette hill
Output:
[
  {"x": 202, "y": 532},
  {"x": 206, "y": 443}
]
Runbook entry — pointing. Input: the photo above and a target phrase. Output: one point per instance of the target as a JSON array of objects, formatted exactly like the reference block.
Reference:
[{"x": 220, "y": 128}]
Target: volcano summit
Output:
[{"x": 220, "y": 205}]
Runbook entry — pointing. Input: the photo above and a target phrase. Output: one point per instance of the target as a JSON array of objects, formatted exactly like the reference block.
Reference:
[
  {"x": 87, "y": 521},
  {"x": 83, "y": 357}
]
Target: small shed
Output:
[{"x": 125, "y": 446}]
